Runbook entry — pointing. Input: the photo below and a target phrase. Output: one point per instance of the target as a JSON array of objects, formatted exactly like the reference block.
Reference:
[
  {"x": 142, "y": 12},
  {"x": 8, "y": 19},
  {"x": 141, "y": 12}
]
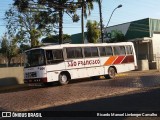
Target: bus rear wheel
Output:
[
  {"x": 111, "y": 73},
  {"x": 63, "y": 79}
]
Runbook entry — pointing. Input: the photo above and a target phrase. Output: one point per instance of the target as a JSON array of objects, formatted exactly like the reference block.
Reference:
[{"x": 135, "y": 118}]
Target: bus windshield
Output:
[{"x": 34, "y": 58}]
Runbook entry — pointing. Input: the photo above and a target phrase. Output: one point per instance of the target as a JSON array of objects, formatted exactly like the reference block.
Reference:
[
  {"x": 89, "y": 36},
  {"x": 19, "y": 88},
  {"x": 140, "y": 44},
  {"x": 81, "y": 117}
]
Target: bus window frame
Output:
[
  {"x": 131, "y": 48},
  {"x": 97, "y": 52},
  {"x": 61, "y": 50},
  {"x": 91, "y": 51},
  {"x": 84, "y": 52},
  {"x": 111, "y": 49},
  {"x": 119, "y": 54},
  {"x": 81, "y": 53},
  {"x": 54, "y": 61},
  {"x": 100, "y": 51},
  {"x": 36, "y": 65},
  {"x": 65, "y": 52}
]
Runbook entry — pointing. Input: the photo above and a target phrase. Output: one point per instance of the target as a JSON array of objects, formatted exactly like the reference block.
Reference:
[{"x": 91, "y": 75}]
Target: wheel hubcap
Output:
[
  {"x": 64, "y": 78},
  {"x": 112, "y": 73}
]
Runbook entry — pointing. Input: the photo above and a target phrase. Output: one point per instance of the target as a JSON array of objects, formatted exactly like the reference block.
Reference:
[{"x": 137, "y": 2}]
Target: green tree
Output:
[
  {"x": 117, "y": 36},
  {"x": 87, "y": 5},
  {"x": 93, "y": 32},
  {"x": 24, "y": 26},
  {"x": 55, "y": 38},
  {"x": 50, "y": 9},
  {"x": 9, "y": 48},
  {"x": 23, "y": 47}
]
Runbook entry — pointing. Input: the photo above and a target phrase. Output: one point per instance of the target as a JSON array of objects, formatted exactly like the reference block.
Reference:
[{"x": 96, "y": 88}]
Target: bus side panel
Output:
[
  {"x": 77, "y": 73},
  {"x": 92, "y": 66},
  {"x": 52, "y": 76},
  {"x": 124, "y": 67},
  {"x": 105, "y": 65},
  {"x": 54, "y": 70},
  {"x": 119, "y": 62},
  {"x": 76, "y": 68}
]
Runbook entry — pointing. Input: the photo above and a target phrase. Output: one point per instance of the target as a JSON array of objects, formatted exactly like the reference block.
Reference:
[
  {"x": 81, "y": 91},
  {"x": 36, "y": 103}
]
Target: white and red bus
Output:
[{"x": 72, "y": 61}]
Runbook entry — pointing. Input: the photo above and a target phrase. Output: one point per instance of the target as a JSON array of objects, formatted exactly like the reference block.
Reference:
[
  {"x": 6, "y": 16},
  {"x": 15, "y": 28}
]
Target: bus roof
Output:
[{"x": 60, "y": 46}]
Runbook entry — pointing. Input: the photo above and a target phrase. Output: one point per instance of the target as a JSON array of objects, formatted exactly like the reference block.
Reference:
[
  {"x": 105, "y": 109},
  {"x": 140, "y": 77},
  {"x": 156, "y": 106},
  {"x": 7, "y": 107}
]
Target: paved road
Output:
[
  {"x": 143, "y": 101},
  {"x": 92, "y": 95}
]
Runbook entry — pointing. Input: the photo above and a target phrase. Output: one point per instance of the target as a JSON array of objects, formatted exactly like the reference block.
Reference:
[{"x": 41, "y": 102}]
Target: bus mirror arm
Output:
[{"x": 27, "y": 64}]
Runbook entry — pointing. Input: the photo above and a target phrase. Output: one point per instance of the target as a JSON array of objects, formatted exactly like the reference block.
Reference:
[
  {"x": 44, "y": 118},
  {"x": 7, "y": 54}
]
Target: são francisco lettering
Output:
[{"x": 86, "y": 62}]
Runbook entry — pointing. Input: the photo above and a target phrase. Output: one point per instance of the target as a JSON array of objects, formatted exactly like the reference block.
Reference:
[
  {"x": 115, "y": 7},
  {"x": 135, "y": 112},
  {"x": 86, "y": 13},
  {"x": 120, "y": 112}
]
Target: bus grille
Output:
[{"x": 30, "y": 75}]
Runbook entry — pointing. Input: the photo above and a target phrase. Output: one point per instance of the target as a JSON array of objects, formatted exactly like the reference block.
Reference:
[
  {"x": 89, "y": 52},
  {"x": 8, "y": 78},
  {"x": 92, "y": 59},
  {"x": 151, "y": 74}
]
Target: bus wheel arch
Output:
[
  {"x": 64, "y": 77},
  {"x": 112, "y": 71}
]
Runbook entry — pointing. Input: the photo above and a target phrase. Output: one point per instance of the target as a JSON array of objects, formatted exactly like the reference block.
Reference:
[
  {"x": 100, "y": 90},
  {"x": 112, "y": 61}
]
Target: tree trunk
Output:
[
  {"x": 32, "y": 40},
  {"x": 101, "y": 22},
  {"x": 9, "y": 61},
  {"x": 60, "y": 23}
]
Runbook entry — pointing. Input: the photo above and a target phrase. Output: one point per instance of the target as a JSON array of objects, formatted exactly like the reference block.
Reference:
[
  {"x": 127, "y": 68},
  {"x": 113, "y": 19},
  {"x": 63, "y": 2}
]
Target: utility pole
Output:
[
  {"x": 119, "y": 6},
  {"x": 82, "y": 21},
  {"x": 101, "y": 22}
]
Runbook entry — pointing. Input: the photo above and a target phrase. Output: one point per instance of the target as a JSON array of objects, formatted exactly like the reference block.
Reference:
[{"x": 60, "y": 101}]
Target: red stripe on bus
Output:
[
  {"x": 119, "y": 60},
  {"x": 128, "y": 59}
]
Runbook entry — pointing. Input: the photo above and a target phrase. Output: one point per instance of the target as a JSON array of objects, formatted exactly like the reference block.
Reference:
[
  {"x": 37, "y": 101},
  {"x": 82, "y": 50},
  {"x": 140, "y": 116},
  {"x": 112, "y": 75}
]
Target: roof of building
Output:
[{"x": 131, "y": 30}]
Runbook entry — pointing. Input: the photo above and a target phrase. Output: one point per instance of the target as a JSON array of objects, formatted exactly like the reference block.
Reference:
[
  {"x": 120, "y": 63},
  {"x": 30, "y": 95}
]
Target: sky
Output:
[{"x": 131, "y": 10}]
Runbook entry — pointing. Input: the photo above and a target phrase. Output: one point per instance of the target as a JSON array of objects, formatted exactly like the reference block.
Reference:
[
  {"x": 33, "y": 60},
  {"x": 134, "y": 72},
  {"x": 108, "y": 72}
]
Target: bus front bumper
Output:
[{"x": 35, "y": 80}]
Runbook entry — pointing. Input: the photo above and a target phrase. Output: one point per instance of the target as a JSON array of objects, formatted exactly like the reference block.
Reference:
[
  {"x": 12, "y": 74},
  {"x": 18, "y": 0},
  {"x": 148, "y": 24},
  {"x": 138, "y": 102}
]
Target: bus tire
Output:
[
  {"x": 63, "y": 79},
  {"x": 111, "y": 73}
]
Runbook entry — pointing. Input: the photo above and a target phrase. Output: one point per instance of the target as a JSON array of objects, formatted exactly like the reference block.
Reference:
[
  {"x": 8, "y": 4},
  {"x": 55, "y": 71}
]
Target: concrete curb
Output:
[{"x": 122, "y": 75}]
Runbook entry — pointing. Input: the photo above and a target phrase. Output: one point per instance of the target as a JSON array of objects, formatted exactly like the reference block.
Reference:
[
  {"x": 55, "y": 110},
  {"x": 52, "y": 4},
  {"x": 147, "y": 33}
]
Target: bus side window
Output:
[
  {"x": 119, "y": 50},
  {"x": 70, "y": 53},
  {"x": 75, "y": 52},
  {"x": 102, "y": 51},
  {"x": 109, "y": 51},
  {"x": 57, "y": 55},
  {"x": 78, "y": 52},
  {"x": 129, "y": 50},
  {"x": 87, "y": 52},
  {"x": 123, "y": 51},
  {"x": 94, "y": 51},
  {"x": 49, "y": 56}
]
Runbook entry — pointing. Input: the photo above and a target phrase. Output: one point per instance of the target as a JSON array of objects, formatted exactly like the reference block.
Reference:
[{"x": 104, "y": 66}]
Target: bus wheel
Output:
[
  {"x": 111, "y": 73},
  {"x": 63, "y": 79}
]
